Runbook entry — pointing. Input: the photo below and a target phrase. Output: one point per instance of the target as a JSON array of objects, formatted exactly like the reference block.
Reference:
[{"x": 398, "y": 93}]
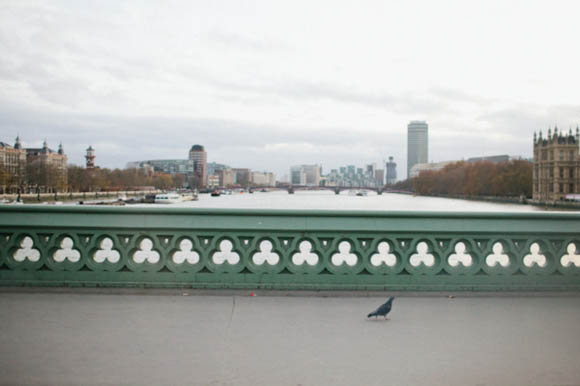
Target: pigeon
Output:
[{"x": 383, "y": 310}]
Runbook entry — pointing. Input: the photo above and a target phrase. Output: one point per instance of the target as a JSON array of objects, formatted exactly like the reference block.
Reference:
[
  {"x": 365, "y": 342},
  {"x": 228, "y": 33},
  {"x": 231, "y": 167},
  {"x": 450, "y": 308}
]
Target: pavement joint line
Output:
[{"x": 284, "y": 293}]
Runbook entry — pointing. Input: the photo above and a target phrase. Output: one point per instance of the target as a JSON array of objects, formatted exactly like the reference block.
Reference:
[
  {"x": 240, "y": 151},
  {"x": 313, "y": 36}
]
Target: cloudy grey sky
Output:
[{"x": 268, "y": 84}]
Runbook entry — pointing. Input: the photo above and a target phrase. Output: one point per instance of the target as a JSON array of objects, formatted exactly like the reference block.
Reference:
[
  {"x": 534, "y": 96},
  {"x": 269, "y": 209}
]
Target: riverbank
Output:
[
  {"x": 512, "y": 200},
  {"x": 33, "y": 198}
]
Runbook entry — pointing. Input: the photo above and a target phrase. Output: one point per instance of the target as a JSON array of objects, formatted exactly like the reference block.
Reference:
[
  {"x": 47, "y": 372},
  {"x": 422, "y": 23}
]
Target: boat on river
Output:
[
  {"x": 168, "y": 198},
  {"x": 191, "y": 196},
  {"x": 9, "y": 202}
]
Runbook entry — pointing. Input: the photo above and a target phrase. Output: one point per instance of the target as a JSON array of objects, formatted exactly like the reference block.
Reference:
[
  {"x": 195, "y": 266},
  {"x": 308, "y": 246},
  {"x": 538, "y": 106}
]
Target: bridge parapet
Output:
[{"x": 313, "y": 250}]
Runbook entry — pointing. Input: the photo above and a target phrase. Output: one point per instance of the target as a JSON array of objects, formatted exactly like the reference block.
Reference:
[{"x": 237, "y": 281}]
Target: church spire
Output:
[{"x": 17, "y": 144}]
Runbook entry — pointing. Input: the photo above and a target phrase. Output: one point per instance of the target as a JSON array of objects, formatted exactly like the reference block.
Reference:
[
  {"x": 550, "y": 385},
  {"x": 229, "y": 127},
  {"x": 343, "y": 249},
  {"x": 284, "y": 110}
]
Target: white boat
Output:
[
  {"x": 8, "y": 202},
  {"x": 168, "y": 198},
  {"x": 189, "y": 196}
]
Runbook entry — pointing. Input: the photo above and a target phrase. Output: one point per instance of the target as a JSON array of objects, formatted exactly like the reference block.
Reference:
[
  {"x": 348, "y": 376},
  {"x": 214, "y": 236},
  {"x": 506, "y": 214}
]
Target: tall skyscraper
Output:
[
  {"x": 417, "y": 144},
  {"x": 391, "y": 171},
  {"x": 198, "y": 155},
  {"x": 380, "y": 177}
]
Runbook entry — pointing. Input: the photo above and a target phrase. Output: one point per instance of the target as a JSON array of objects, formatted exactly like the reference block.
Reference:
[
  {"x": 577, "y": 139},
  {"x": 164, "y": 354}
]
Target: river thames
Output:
[{"x": 327, "y": 200}]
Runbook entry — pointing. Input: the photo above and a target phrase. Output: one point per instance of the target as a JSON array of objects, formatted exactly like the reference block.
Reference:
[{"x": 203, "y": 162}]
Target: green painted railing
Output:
[{"x": 314, "y": 250}]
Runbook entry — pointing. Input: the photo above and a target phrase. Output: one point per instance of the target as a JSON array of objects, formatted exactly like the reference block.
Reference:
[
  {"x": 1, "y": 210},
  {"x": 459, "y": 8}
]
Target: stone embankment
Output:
[
  {"x": 31, "y": 198},
  {"x": 513, "y": 200}
]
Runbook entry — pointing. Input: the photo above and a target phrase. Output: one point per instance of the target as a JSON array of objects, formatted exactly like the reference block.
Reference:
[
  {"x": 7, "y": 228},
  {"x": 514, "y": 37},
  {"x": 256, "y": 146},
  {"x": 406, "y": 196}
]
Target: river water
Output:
[{"x": 327, "y": 200}]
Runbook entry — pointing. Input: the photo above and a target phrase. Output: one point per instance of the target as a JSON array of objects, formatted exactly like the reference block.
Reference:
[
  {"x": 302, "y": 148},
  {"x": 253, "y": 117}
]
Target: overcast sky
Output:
[{"x": 270, "y": 84}]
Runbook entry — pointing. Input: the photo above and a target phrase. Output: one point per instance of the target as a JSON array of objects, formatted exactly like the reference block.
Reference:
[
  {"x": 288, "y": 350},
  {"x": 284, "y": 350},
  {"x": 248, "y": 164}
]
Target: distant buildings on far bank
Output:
[
  {"x": 556, "y": 166},
  {"x": 424, "y": 167},
  {"x": 350, "y": 175},
  {"x": 435, "y": 166},
  {"x": 201, "y": 174},
  {"x": 309, "y": 175},
  {"x": 32, "y": 169}
]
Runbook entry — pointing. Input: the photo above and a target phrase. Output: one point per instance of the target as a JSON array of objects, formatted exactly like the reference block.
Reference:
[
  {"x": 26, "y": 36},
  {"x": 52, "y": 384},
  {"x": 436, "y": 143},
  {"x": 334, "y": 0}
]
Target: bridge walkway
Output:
[{"x": 168, "y": 338}]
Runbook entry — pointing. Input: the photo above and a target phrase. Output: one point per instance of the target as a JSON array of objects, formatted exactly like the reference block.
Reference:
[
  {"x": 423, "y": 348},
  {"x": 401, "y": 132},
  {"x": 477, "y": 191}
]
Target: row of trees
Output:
[
  {"x": 33, "y": 177},
  {"x": 511, "y": 178},
  {"x": 48, "y": 178},
  {"x": 87, "y": 180},
  {"x": 8, "y": 180}
]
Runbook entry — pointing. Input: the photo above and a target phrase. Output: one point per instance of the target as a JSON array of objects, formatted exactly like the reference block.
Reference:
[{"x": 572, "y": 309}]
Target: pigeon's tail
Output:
[{"x": 372, "y": 314}]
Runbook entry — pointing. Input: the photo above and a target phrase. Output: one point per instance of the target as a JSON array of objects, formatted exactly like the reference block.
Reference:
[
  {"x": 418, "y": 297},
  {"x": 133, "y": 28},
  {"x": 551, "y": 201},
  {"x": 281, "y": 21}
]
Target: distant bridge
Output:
[{"x": 335, "y": 189}]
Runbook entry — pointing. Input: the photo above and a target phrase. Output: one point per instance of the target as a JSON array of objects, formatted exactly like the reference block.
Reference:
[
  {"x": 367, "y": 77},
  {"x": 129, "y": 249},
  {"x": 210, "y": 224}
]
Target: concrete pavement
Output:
[{"x": 164, "y": 339}]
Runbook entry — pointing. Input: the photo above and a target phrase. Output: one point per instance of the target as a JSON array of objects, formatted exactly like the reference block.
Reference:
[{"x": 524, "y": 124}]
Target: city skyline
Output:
[
  {"x": 382, "y": 164},
  {"x": 273, "y": 83}
]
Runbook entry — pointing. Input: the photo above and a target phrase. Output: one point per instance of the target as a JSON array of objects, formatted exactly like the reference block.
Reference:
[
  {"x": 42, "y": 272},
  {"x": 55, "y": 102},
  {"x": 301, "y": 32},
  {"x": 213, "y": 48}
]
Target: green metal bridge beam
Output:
[{"x": 280, "y": 249}]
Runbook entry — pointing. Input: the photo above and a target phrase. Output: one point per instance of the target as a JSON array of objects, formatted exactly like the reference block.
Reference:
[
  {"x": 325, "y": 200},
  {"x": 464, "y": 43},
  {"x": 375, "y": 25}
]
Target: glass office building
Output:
[{"x": 417, "y": 144}]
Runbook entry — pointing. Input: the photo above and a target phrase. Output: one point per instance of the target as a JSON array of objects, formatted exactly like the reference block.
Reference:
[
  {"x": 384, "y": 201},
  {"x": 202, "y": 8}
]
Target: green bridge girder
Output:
[{"x": 283, "y": 249}]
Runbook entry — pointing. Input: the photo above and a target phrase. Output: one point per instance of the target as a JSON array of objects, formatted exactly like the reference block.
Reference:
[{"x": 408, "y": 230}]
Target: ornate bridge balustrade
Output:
[{"x": 314, "y": 250}]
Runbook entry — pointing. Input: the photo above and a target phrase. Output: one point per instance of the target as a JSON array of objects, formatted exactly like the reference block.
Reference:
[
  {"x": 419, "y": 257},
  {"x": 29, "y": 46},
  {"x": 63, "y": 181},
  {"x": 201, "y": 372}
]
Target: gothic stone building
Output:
[
  {"x": 12, "y": 167},
  {"x": 47, "y": 169},
  {"x": 556, "y": 166}
]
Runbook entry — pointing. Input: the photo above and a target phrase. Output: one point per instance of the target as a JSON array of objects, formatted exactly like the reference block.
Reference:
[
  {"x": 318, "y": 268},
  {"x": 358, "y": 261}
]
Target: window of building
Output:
[
  {"x": 561, "y": 188},
  {"x": 551, "y": 155},
  {"x": 571, "y": 188},
  {"x": 544, "y": 155},
  {"x": 551, "y": 172},
  {"x": 561, "y": 172},
  {"x": 571, "y": 172},
  {"x": 561, "y": 155},
  {"x": 571, "y": 155},
  {"x": 551, "y": 188}
]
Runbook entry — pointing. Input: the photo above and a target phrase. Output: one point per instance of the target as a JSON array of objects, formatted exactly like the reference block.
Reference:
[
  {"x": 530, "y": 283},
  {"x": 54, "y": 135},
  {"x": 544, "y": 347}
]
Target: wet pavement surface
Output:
[{"x": 164, "y": 339}]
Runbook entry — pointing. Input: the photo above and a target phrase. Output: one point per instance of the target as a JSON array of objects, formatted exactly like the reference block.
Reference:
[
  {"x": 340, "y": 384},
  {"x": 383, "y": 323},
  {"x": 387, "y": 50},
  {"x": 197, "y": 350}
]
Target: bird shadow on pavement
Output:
[{"x": 375, "y": 320}]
